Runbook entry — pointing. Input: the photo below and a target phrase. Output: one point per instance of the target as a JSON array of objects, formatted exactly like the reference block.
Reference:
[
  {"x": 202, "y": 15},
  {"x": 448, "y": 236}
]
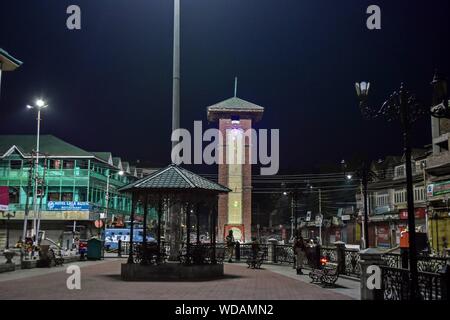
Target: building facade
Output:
[
  {"x": 438, "y": 189},
  {"x": 72, "y": 187},
  {"x": 388, "y": 213}
]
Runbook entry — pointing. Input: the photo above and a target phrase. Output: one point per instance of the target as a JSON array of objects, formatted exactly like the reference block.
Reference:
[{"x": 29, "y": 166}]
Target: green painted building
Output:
[{"x": 72, "y": 186}]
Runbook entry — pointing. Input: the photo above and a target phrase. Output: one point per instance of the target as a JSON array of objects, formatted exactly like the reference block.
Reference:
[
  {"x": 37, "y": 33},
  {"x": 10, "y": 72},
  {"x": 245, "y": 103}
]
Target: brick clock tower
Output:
[{"x": 235, "y": 116}]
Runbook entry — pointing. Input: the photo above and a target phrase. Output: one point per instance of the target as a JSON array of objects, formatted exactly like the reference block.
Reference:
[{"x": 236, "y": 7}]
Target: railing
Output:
[
  {"x": 330, "y": 253},
  {"x": 284, "y": 254},
  {"x": 424, "y": 263},
  {"x": 246, "y": 252},
  {"x": 396, "y": 284},
  {"x": 352, "y": 265}
]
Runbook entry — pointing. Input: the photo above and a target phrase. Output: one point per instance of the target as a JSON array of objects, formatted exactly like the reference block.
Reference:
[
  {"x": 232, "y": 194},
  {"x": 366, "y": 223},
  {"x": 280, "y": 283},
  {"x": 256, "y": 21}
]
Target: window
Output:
[
  {"x": 14, "y": 195},
  {"x": 382, "y": 199},
  {"x": 53, "y": 196},
  {"x": 400, "y": 196},
  {"x": 399, "y": 171},
  {"x": 55, "y": 164},
  {"x": 68, "y": 164},
  {"x": 15, "y": 164},
  {"x": 67, "y": 196},
  {"x": 419, "y": 193}
]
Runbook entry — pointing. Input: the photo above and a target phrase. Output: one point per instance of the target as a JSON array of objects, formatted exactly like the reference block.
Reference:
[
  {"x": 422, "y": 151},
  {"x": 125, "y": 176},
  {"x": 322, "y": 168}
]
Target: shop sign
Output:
[
  {"x": 67, "y": 206},
  {"x": 381, "y": 210},
  {"x": 383, "y": 236},
  {"x": 439, "y": 188},
  {"x": 345, "y": 217},
  {"x": 419, "y": 213}
]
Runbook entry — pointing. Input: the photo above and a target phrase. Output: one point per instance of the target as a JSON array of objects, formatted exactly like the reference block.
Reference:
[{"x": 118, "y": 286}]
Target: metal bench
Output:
[{"x": 326, "y": 276}]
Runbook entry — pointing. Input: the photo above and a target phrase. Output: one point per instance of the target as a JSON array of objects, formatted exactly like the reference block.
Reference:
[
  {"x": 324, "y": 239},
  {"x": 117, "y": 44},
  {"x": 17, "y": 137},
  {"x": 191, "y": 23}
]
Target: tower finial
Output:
[{"x": 235, "y": 86}]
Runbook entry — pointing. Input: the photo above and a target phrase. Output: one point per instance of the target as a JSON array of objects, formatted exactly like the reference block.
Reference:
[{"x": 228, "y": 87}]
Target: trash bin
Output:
[{"x": 94, "y": 249}]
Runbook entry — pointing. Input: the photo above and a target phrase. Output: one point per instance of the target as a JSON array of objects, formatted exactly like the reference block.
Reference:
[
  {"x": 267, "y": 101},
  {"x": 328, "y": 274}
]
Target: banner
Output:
[
  {"x": 4, "y": 198},
  {"x": 67, "y": 206}
]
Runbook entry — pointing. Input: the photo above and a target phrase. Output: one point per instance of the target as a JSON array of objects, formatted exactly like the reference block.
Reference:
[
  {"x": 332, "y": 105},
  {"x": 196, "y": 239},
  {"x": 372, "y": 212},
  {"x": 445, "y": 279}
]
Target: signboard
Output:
[
  {"x": 439, "y": 188},
  {"x": 308, "y": 216},
  {"x": 381, "y": 210},
  {"x": 4, "y": 198},
  {"x": 67, "y": 206},
  {"x": 419, "y": 213},
  {"x": 383, "y": 236},
  {"x": 346, "y": 217},
  {"x": 98, "y": 224}
]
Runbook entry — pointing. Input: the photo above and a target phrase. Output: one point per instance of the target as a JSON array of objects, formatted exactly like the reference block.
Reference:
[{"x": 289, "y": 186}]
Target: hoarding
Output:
[{"x": 67, "y": 206}]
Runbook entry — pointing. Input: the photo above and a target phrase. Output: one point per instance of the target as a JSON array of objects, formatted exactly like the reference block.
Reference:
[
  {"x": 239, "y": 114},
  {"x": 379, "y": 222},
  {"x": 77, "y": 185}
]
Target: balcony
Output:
[{"x": 439, "y": 164}]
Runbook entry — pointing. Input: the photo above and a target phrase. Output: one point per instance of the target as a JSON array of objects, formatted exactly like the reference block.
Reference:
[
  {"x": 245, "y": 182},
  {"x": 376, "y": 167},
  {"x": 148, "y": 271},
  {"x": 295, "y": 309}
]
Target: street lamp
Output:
[
  {"x": 39, "y": 104},
  {"x": 8, "y": 215},
  {"x": 401, "y": 105},
  {"x": 108, "y": 176}
]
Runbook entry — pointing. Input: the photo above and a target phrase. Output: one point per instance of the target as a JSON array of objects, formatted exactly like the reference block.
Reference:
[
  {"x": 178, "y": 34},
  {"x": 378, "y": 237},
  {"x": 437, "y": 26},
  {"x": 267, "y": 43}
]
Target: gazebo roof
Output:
[
  {"x": 174, "y": 178},
  {"x": 8, "y": 62}
]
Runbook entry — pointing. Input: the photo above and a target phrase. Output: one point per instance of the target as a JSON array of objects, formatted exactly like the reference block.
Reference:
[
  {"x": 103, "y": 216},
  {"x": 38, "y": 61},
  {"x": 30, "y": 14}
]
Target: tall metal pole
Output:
[
  {"x": 176, "y": 69},
  {"x": 27, "y": 202},
  {"x": 409, "y": 195},
  {"x": 35, "y": 204},
  {"x": 321, "y": 217},
  {"x": 365, "y": 181},
  {"x": 292, "y": 215}
]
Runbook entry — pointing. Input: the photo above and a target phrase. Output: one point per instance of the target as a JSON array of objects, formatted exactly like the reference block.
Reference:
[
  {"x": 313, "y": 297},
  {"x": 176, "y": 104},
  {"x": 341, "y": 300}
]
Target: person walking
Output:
[
  {"x": 300, "y": 252},
  {"x": 230, "y": 245}
]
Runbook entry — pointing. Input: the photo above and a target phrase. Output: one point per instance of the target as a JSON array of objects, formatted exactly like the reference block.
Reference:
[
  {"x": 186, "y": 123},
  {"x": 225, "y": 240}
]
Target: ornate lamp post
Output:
[{"x": 403, "y": 106}]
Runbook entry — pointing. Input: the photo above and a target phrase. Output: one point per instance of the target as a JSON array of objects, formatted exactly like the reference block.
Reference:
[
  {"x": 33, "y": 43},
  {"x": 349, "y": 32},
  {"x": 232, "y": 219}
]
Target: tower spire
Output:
[{"x": 235, "y": 86}]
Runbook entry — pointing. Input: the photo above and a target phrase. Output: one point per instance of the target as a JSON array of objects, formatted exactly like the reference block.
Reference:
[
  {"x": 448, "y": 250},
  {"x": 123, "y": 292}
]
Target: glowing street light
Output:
[{"x": 39, "y": 105}]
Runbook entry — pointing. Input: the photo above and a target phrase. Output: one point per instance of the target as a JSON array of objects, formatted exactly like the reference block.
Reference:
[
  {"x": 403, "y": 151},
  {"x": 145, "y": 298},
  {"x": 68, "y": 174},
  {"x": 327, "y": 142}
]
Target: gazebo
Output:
[{"x": 162, "y": 189}]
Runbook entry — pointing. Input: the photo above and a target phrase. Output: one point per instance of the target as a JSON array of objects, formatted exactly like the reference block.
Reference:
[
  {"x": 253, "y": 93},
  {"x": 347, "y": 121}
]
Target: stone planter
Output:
[{"x": 9, "y": 255}]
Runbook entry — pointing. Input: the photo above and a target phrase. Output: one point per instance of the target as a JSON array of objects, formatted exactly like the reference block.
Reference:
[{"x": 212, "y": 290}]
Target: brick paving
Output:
[{"x": 101, "y": 281}]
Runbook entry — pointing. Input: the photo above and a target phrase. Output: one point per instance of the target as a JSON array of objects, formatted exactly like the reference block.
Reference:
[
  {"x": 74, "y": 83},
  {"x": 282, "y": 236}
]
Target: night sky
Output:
[{"x": 109, "y": 85}]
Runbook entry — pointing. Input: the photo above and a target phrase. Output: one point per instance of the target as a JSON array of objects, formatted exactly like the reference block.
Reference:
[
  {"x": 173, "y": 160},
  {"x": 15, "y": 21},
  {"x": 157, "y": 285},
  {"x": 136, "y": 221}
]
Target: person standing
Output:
[
  {"x": 300, "y": 252},
  {"x": 230, "y": 245}
]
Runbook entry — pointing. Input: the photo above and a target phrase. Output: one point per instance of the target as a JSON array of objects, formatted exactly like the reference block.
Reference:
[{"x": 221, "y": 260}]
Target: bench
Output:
[
  {"x": 326, "y": 276},
  {"x": 256, "y": 263}
]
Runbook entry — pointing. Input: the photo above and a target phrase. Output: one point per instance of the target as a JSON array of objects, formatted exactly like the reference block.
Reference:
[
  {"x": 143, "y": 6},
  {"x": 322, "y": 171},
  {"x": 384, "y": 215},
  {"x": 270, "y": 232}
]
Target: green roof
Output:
[
  {"x": 175, "y": 178},
  {"x": 8, "y": 62},
  {"x": 105, "y": 156},
  {"x": 49, "y": 145},
  {"x": 234, "y": 106}
]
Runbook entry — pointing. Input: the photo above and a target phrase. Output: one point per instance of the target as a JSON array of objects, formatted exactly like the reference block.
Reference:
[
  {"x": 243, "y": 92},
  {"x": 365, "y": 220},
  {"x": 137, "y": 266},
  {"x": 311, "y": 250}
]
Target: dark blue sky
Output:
[{"x": 109, "y": 85}]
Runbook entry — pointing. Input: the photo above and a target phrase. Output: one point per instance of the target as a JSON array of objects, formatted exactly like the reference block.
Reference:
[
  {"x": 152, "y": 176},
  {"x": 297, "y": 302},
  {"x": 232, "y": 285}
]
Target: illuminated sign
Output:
[{"x": 67, "y": 206}]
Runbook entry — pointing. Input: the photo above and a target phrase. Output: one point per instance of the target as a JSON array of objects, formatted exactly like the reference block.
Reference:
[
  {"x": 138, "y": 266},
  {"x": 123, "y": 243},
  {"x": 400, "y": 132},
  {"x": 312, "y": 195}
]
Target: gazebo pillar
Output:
[
  {"x": 188, "y": 228},
  {"x": 160, "y": 205},
  {"x": 197, "y": 217},
  {"x": 212, "y": 237},
  {"x": 144, "y": 231},
  {"x": 133, "y": 209}
]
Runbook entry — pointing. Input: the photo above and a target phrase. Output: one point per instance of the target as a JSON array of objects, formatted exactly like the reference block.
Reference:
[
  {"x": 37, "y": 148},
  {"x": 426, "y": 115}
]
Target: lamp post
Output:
[
  {"x": 39, "y": 105},
  {"x": 8, "y": 215},
  {"x": 402, "y": 105},
  {"x": 108, "y": 176}
]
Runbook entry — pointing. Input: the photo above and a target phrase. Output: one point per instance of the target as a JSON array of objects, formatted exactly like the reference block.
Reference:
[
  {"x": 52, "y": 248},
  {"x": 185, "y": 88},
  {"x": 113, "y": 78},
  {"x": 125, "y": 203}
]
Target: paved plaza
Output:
[{"x": 101, "y": 280}]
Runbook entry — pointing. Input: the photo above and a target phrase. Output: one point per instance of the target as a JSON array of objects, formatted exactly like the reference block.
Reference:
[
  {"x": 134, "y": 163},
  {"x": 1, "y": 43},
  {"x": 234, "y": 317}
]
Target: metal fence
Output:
[{"x": 396, "y": 284}]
